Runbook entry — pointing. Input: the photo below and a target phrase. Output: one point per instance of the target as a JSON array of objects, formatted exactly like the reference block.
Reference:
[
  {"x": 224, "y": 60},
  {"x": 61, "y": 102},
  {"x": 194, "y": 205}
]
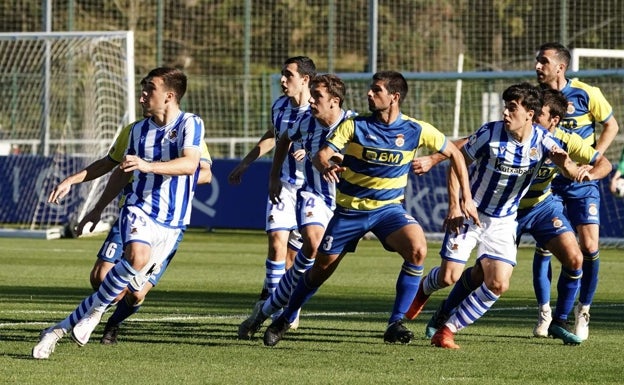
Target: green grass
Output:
[{"x": 186, "y": 331}]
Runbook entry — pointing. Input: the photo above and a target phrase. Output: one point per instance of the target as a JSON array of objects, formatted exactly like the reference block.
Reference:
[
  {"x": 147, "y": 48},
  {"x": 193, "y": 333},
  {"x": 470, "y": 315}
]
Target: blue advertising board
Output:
[{"x": 221, "y": 205}]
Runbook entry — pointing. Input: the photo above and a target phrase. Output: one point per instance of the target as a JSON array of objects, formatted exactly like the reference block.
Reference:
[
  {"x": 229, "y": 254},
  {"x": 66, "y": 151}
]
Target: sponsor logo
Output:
[
  {"x": 500, "y": 166},
  {"x": 382, "y": 156}
]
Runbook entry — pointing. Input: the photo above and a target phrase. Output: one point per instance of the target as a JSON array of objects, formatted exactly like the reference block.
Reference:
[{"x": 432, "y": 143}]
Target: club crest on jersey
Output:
[
  {"x": 400, "y": 140},
  {"x": 570, "y": 109},
  {"x": 533, "y": 154},
  {"x": 557, "y": 223},
  {"x": 593, "y": 210},
  {"x": 173, "y": 134}
]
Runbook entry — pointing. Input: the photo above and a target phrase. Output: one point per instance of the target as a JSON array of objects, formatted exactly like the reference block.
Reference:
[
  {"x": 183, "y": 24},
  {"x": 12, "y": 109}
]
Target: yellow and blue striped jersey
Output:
[
  {"x": 377, "y": 157},
  {"x": 578, "y": 150},
  {"x": 586, "y": 106}
]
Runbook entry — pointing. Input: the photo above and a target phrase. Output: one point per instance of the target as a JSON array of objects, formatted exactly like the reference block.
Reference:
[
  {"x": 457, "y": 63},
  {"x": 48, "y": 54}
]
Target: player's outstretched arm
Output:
[
  {"x": 281, "y": 151},
  {"x": 264, "y": 145},
  {"x": 92, "y": 171},
  {"x": 566, "y": 165},
  {"x": 423, "y": 164},
  {"x": 459, "y": 182},
  {"x": 205, "y": 172},
  {"x": 600, "y": 169},
  {"x": 117, "y": 181},
  {"x": 610, "y": 130},
  {"x": 322, "y": 161}
]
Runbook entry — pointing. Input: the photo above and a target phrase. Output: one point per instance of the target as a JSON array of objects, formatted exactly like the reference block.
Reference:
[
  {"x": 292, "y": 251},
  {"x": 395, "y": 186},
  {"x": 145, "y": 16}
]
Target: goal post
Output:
[
  {"x": 577, "y": 53},
  {"x": 65, "y": 97}
]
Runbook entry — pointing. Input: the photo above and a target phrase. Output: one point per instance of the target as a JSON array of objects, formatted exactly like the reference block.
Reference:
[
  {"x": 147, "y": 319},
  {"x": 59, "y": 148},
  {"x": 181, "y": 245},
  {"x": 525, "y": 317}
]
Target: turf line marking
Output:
[{"x": 241, "y": 316}]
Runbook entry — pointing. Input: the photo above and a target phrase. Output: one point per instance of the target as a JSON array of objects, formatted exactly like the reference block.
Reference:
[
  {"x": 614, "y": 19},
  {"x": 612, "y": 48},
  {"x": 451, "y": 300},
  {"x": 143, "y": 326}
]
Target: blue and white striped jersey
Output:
[
  {"x": 314, "y": 136},
  {"x": 504, "y": 169},
  {"x": 286, "y": 117},
  {"x": 166, "y": 199}
]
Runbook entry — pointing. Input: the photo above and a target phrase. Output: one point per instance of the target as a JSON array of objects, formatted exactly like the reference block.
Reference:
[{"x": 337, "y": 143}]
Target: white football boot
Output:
[
  {"x": 83, "y": 329},
  {"x": 544, "y": 318},
  {"x": 47, "y": 342},
  {"x": 581, "y": 321}
]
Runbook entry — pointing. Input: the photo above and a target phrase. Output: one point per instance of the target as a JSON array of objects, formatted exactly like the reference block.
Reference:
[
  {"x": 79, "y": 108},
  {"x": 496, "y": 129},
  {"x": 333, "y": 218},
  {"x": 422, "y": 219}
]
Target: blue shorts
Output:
[
  {"x": 581, "y": 202},
  {"x": 544, "y": 221},
  {"x": 112, "y": 251},
  {"x": 347, "y": 227}
]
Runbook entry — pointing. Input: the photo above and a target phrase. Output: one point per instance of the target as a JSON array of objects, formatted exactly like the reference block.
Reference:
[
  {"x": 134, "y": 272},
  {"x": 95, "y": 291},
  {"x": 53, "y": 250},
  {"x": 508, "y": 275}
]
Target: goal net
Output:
[{"x": 65, "y": 97}]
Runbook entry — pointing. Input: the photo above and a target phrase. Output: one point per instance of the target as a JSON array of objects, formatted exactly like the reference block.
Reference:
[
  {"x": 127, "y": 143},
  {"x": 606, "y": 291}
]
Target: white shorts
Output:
[
  {"x": 137, "y": 226},
  {"x": 495, "y": 239},
  {"x": 283, "y": 216},
  {"x": 312, "y": 210}
]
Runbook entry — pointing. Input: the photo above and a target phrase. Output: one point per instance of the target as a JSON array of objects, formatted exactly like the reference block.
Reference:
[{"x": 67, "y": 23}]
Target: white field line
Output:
[{"x": 182, "y": 317}]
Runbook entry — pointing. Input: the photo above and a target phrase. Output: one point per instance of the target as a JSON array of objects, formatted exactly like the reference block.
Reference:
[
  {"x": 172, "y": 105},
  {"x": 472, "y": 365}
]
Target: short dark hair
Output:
[
  {"x": 394, "y": 82},
  {"x": 562, "y": 53},
  {"x": 174, "y": 80},
  {"x": 526, "y": 94},
  {"x": 335, "y": 86},
  {"x": 556, "y": 101},
  {"x": 305, "y": 65}
]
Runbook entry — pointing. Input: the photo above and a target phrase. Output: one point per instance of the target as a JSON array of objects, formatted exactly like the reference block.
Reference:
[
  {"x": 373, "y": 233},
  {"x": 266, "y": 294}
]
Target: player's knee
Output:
[
  {"x": 95, "y": 279},
  {"x": 497, "y": 287},
  {"x": 134, "y": 298},
  {"x": 574, "y": 261},
  {"x": 415, "y": 254},
  {"x": 449, "y": 277}
]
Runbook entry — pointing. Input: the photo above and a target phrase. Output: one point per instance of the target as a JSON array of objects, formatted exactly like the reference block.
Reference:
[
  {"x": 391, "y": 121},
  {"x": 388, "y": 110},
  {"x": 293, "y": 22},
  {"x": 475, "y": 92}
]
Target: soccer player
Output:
[
  {"x": 586, "y": 107},
  {"x": 507, "y": 155},
  {"x": 112, "y": 248},
  {"x": 542, "y": 215},
  {"x": 288, "y": 111},
  {"x": 377, "y": 153},
  {"x": 316, "y": 199},
  {"x": 162, "y": 160}
]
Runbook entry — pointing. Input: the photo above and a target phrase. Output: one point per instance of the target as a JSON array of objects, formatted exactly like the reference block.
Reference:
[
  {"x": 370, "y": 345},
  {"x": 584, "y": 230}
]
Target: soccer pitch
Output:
[{"x": 186, "y": 330}]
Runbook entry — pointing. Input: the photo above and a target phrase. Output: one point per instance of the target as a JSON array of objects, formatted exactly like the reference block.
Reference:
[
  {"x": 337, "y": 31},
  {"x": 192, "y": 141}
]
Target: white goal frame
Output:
[
  {"x": 577, "y": 53},
  {"x": 124, "y": 75}
]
